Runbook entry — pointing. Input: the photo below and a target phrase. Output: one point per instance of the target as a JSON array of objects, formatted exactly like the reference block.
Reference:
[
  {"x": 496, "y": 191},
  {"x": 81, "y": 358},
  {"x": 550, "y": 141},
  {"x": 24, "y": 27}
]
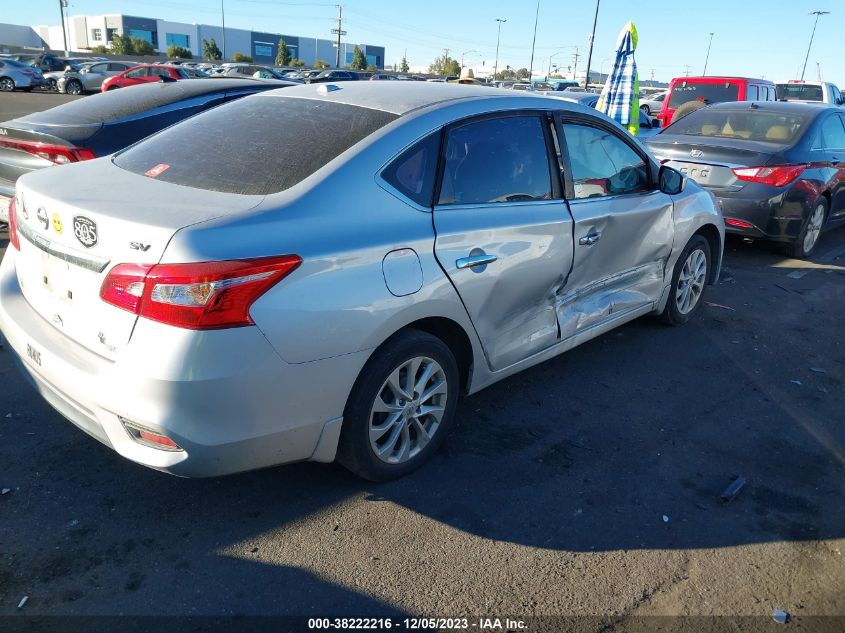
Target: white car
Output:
[
  {"x": 653, "y": 104},
  {"x": 809, "y": 92}
]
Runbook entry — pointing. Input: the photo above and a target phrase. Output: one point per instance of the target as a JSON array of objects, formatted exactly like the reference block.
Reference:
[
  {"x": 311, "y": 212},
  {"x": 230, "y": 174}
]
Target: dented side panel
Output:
[{"x": 622, "y": 247}]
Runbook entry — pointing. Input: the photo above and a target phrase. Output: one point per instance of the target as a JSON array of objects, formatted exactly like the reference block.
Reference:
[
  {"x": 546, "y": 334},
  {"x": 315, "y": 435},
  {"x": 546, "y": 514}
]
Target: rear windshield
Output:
[
  {"x": 799, "y": 92},
  {"x": 753, "y": 125},
  {"x": 256, "y": 145},
  {"x": 685, "y": 91}
]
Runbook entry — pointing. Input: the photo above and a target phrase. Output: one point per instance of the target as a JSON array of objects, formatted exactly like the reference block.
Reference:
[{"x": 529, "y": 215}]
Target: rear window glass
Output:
[
  {"x": 753, "y": 125},
  {"x": 253, "y": 146},
  {"x": 685, "y": 91},
  {"x": 799, "y": 92}
]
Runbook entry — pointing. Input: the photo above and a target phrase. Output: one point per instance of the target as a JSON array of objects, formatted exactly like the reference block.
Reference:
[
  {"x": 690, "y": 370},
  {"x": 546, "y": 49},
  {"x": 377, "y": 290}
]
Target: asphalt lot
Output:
[{"x": 586, "y": 486}]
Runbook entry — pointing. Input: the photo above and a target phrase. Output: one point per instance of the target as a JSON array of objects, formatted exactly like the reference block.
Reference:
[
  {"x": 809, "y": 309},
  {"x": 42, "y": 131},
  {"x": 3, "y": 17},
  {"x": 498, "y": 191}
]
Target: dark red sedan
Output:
[{"x": 143, "y": 74}]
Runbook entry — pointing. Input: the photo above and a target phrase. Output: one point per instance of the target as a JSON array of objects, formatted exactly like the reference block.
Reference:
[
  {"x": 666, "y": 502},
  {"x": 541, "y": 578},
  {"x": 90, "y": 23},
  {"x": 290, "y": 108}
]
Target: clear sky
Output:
[{"x": 760, "y": 38}]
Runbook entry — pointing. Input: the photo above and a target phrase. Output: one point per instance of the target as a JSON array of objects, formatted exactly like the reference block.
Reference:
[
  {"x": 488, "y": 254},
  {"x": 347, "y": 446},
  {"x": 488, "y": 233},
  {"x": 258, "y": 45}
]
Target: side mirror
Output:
[{"x": 670, "y": 180}]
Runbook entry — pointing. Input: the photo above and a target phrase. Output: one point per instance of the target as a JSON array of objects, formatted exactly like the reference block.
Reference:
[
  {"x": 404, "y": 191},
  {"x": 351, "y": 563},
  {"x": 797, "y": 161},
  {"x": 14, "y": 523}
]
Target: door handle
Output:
[
  {"x": 590, "y": 239},
  {"x": 475, "y": 260}
]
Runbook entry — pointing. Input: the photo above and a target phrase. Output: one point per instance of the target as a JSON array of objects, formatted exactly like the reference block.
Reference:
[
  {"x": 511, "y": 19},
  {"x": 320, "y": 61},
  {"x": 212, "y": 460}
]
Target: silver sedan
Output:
[
  {"x": 17, "y": 76},
  {"x": 319, "y": 273},
  {"x": 90, "y": 77}
]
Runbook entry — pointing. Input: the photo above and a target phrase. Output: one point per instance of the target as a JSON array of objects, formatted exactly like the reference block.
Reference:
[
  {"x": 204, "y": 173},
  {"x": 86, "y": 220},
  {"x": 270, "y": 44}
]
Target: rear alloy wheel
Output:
[
  {"x": 689, "y": 280},
  {"x": 73, "y": 87},
  {"x": 807, "y": 240},
  {"x": 6, "y": 84},
  {"x": 400, "y": 408},
  {"x": 52, "y": 86},
  {"x": 646, "y": 109}
]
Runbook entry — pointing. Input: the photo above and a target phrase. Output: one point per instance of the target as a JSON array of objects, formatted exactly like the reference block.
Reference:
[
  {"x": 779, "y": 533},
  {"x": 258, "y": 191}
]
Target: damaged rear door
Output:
[
  {"x": 503, "y": 232},
  {"x": 624, "y": 227}
]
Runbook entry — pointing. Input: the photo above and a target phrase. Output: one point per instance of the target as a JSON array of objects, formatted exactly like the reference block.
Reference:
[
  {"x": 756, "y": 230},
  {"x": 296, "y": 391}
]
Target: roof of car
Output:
[
  {"x": 784, "y": 107},
  {"x": 396, "y": 97},
  {"x": 717, "y": 78}
]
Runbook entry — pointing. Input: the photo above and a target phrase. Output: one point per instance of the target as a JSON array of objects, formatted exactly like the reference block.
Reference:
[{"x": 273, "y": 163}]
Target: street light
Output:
[
  {"x": 466, "y": 53},
  {"x": 498, "y": 37},
  {"x": 707, "y": 59},
  {"x": 62, "y": 7},
  {"x": 223, "y": 17},
  {"x": 818, "y": 14},
  {"x": 590, "y": 54},
  {"x": 560, "y": 52}
]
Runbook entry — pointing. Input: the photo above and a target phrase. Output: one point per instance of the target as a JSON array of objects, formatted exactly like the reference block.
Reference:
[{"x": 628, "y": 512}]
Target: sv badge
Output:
[{"x": 138, "y": 246}]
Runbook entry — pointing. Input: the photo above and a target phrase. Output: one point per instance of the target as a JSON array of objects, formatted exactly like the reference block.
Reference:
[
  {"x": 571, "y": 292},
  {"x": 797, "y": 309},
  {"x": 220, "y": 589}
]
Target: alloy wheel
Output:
[
  {"x": 6, "y": 85},
  {"x": 814, "y": 228},
  {"x": 408, "y": 410},
  {"x": 691, "y": 281},
  {"x": 74, "y": 88}
]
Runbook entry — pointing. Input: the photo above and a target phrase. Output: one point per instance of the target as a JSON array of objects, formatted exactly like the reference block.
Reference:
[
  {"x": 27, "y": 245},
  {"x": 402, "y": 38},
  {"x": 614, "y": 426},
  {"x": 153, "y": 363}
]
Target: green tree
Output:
[
  {"x": 372, "y": 68},
  {"x": 283, "y": 57},
  {"x": 359, "y": 61},
  {"x": 404, "y": 67},
  {"x": 523, "y": 73},
  {"x": 122, "y": 45},
  {"x": 177, "y": 52},
  {"x": 506, "y": 74},
  {"x": 240, "y": 57},
  {"x": 321, "y": 64},
  {"x": 445, "y": 65},
  {"x": 297, "y": 63},
  {"x": 210, "y": 50},
  {"x": 101, "y": 50}
]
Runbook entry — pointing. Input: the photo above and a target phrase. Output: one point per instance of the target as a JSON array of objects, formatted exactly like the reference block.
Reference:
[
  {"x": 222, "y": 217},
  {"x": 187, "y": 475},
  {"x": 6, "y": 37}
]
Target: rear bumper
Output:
[
  {"x": 225, "y": 396},
  {"x": 774, "y": 213}
]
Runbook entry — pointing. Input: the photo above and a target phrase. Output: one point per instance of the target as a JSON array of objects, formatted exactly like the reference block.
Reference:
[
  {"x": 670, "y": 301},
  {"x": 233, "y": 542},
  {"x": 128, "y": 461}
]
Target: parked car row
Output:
[{"x": 419, "y": 242}]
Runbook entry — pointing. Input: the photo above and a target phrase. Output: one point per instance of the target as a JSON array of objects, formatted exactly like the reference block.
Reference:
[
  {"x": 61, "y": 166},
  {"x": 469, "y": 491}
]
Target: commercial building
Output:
[{"x": 87, "y": 31}]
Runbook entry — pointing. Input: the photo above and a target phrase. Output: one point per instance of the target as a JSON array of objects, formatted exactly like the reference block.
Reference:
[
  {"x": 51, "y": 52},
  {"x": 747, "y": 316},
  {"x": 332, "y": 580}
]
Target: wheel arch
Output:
[{"x": 714, "y": 239}]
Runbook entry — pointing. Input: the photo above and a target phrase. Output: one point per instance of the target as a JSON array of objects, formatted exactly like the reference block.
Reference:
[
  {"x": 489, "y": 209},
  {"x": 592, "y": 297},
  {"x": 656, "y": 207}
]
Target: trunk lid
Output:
[
  {"x": 77, "y": 223},
  {"x": 710, "y": 163}
]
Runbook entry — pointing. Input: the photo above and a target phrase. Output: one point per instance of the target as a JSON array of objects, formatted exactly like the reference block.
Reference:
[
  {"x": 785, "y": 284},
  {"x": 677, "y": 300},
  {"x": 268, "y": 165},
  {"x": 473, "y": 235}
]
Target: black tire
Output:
[
  {"x": 798, "y": 249},
  {"x": 52, "y": 86},
  {"x": 112, "y": 88},
  {"x": 7, "y": 84},
  {"x": 74, "y": 87},
  {"x": 644, "y": 107},
  {"x": 672, "y": 314},
  {"x": 354, "y": 450},
  {"x": 687, "y": 108}
]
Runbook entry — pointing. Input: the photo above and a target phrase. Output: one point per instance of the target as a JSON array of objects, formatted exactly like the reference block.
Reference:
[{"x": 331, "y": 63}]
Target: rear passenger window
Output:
[
  {"x": 413, "y": 172},
  {"x": 752, "y": 95},
  {"x": 496, "y": 160},
  {"x": 603, "y": 164},
  {"x": 833, "y": 134}
]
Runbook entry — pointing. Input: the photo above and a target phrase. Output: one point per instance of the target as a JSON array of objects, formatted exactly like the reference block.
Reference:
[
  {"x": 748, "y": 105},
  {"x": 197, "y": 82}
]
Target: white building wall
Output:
[
  {"x": 16, "y": 35},
  {"x": 97, "y": 22},
  {"x": 237, "y": 40},
  {"x": 191, "y": 30}
]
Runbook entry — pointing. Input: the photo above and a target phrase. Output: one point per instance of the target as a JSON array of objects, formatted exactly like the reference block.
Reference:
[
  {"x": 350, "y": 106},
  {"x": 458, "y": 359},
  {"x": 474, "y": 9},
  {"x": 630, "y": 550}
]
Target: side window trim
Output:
[
  {"x": 574, "y": 118},
  {"x": 540, "y": 114}
]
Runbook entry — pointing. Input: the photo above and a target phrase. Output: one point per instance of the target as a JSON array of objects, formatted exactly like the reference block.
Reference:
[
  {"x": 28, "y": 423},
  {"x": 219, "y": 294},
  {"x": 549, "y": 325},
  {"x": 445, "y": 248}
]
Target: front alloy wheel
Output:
[
  {"x": 400, "y": 408},
  {"x": 7, "y": 84},
  {"x": 73, "y": 88}
]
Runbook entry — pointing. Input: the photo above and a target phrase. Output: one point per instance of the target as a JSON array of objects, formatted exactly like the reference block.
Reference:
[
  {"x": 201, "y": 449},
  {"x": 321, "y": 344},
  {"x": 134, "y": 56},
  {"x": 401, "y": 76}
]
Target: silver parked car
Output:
[
  {"x": 90, "y": 77},
  {"x": 18, "y": 76},
  {"x": 242, "y": 294}
]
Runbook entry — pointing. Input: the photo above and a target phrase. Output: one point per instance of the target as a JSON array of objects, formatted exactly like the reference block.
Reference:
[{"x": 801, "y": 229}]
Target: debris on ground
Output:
[
  {"x": 796, "y": 382},
  {"x": 22, "y": 602},
  {"x": 817, "y": 370},
  {"x": 9, "y": 415},
  {"x": 733, "y": 489},
  {"x": 719, "y": 305},
  {"x": 666, "y": 518},
  {"x": 5, "y": 491},
  {"x": 780, "y": 616},
  {"x": 797, "y": 274}
]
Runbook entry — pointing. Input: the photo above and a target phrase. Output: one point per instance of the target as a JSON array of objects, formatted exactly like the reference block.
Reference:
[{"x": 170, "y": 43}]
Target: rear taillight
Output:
[
  {"x": 201, "y": 296},
  {"x": 59, "y": 154},
  {"x": 740, "y": 224},
  {"x": 777, "y": 176},
  {"x": 13, "y": 226}
]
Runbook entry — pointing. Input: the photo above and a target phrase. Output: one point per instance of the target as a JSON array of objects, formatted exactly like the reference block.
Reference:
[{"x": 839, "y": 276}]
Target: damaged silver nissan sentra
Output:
[{"x": 318, "y": 273}]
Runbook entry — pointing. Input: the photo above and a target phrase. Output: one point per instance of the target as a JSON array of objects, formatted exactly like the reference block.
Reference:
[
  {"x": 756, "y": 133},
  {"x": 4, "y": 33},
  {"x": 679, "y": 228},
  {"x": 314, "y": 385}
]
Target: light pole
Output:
[
  {"x": 533, "y": 43},
  {"x": 707, "y": 59},
  {"x": 466, "y": 53},
  {"x": 560, "y": 52},
  {"x": 62, "y": 5},
  {"x": 498, "y": 37},
  {"x": 601, "y": 66},
  {"x": 818, "y": 14},
  {"x": 223, "y": 17},
  {"x": 590, "y": 53}
]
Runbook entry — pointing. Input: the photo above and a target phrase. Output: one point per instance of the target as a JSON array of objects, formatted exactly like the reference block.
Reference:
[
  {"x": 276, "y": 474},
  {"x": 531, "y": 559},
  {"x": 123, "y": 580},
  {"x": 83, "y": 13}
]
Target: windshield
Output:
[
  {"x": 255, "y": 145},
  {"x": 799, "y": 92},
  {"x": 752, "y": 125},
  {"x": 685, "y": 91}
]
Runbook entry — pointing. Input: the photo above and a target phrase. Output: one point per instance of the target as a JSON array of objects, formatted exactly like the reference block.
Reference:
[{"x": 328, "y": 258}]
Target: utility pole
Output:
[
  {"x": 592, "y": 37},
  {"x": 818, "y": 14},
  {"x": 686, "y": 71},
  {"x": 533, "y": 42},
  {"x": 62, "y": 5},
  {"x": 575, "y": 57},
  {"x": 819, "y": 70},
  {"x": 707, "y": 59},
  {"x": 339, "y": 33},
  {"x": 462, "y": 57},
  {"x": 498, "y": 37},
  {"x": 223, "y": 18}
]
